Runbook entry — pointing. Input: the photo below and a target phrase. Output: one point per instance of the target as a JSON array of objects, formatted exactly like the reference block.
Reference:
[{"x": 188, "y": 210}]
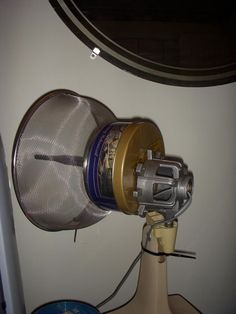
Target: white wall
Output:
[{"x": 38, "y": 54}]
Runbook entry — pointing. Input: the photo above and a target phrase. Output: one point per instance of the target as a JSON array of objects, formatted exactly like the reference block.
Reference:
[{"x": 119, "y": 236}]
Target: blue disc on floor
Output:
[{"x": 66, "y": 307}]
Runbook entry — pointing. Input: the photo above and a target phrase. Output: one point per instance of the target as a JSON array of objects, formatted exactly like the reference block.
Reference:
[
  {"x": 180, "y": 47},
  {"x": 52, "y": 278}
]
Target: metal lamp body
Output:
[
  {"x": 127, "y": 171},
  {"x": 74, "y": 161}
]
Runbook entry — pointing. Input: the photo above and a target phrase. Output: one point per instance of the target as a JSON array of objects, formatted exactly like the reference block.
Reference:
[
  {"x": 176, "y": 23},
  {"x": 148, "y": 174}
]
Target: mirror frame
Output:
[{"x": 128, "y": 61}]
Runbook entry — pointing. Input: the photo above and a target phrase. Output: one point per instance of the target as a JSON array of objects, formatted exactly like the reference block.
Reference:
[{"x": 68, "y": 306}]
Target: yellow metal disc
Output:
[{"x": 132, "y": 148}]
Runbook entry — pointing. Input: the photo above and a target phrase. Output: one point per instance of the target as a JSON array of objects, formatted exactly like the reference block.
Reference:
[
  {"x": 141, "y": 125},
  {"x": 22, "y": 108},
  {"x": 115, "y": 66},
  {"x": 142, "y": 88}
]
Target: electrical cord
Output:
[
  {"x": 122, "y": 281},
  {"x": 176, "y": 253},
  {"x": 164, "y": 221}
]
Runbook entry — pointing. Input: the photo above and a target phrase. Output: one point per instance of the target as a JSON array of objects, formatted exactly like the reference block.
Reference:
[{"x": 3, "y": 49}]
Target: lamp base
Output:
[
  {"x": 151, "y": 296},
  {"x": 177, "y": 305}
]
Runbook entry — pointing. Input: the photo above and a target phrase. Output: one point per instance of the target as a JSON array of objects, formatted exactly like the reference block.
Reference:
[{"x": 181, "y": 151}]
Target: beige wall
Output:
[{"x": 38, "y": 54}]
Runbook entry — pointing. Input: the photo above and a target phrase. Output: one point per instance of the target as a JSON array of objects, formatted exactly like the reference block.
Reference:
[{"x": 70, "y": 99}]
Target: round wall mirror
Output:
[{"x": 183, "y": 44}]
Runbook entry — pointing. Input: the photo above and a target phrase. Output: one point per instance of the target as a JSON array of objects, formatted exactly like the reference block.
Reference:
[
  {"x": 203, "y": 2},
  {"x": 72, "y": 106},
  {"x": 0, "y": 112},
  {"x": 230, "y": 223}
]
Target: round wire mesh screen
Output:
[{"x": 48, "y": 158}]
